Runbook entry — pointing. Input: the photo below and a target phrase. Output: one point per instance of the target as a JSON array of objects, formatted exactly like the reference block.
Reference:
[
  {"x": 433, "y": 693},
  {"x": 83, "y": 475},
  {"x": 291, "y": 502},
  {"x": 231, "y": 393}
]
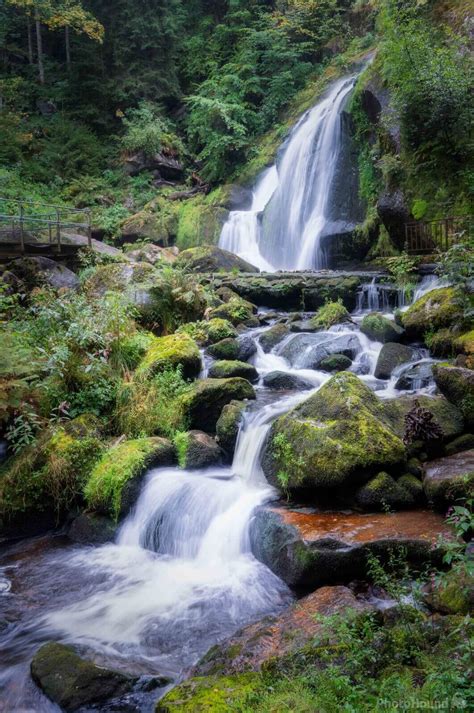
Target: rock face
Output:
[
  {"x": 392, "y": 355},
  {"x": 228, "y": 424},
  {"x": 309, "y": 549},
  {"x": 172, "y": 351},
  {"x": 212, "y": 259},
  {"x": 377, "y": 327},
  {"x": 226, "y": 368},
  {"x": 273, "y": 336},
  {"x": 39, "y": 270},
  {"x": 457, "y": 384},
  {"x": 74, "y": 683},
  {"x": 449, "y": 479},
  {"x": 204, "y": 403},
  {"x": 283, "y": 381},
  {"x": 394, "y": 213},
  {"x": 278, "y": 636},
  {"x": 307, "y": 351},
  {"x": 435, "y": 310},
  {"x": 201, "y": 451}
]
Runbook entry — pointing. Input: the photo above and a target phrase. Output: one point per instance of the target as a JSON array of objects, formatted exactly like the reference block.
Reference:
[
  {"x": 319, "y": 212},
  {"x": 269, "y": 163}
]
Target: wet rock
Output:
[
  {"x": 36, "y": 271},
  {"x": 212, "y": 259},
  {"x": 310, "y": 549},
  {"x": 204, "y": 403},
  {"x": 238, "y": 197},
  {"x": 449, "y": 479},
  {"x": 283, "y": 381},
  {"x": 72, "y": 682},
  {"x": 413, "y": 485},
  {"x": 379, "y": 328},
  {"x": 303, "y": 325},
  {"x": 247, "y": 348},
  {"x": 457, "y": 384},
  {"x": 273, "y": 336},
  {"x": 393, "y": 213},
  {"x": 392, "y": 355},
  {"x": 92, "y": 529},
  {"x": 307, "y": 351},
  {"x": 416, "y": 377},
  {"x": 277, "y": 636},
  {"x": 237, "y": 311},
  {"x": 463, "y": 443},
  {"x": 228, "y": 348},
  {"x": 335, "y": 362},
  {"x": 228, "y": 425},
  {"x": 435, "y": 310},
  {"x": 453, "y": 593},
  {"x": 227, "y": 368},
  {"x": 200, "y": 451},
  {"x": 383, "y": 492}
]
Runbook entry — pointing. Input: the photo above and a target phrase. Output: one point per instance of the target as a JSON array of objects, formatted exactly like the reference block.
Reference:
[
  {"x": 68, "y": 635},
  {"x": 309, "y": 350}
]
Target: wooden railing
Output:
[
  {"x": 42, "y": 223},
  {"x": 426, "y": 237}
]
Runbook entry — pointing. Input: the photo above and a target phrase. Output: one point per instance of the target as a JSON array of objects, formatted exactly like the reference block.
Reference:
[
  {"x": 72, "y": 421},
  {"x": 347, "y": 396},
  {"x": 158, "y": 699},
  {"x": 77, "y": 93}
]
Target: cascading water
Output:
[{"x": 284, "y": 226}]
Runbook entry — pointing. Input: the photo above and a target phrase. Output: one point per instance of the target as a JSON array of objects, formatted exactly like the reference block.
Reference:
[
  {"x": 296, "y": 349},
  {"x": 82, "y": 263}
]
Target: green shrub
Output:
[{"x": 329, "y": 314}]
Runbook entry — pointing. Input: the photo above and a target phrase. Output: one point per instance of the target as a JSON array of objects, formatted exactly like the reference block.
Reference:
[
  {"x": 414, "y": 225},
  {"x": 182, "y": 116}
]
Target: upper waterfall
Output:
[{"x": 291, "y": 208}]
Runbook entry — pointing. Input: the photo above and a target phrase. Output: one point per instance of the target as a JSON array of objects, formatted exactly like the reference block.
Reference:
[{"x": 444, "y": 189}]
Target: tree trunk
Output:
[
  {"x": 68, "y": 48},
  {"x": 39, "y": 46},
  {"x": 30, "y": 40}
]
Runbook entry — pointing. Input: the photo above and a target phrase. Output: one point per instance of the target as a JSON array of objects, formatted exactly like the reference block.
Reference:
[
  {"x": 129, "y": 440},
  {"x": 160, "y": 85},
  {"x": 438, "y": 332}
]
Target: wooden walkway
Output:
[{"x": 429, "y": 237}]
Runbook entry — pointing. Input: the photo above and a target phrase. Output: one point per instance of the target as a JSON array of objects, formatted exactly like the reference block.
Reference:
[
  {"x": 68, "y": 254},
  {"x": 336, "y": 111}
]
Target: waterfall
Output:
[{"x": 290, "y": 209}]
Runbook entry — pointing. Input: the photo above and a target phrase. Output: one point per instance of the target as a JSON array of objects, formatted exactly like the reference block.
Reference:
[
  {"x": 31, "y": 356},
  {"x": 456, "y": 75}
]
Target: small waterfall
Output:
[{"x": 284, "y": 226}]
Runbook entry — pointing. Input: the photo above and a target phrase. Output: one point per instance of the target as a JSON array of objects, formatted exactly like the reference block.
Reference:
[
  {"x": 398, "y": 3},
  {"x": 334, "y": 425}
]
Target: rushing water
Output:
[{"x": 284, "y": 226}]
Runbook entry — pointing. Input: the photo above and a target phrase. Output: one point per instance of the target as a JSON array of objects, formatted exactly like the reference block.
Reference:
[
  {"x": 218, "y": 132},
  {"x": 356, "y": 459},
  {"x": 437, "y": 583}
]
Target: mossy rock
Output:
[
  {"x": 114, "y": 483},
  {"x": 228, "y": 426},
  {"x": 465, "y": 345},
  {"x": 203, "y": 404},
  {"x": 382, "y": 492},
  {"x": 115, "y": 277},
  {"x": 92, "y": 529},
  {"x": 236, "y": 311},
  {"x": 158, "y": 226},
  {"x": 463, "y": 443},
  {"x": 209, "y": 694},
  {"x": 273, "y": 336},
  {"x": 335, "y": 362},
  {"x": 212, "y": 259},
  {"x": 392, "y": 355},
  {"x": 377, "y": 327},
  {"x": 330, "y": 314},
  {"x": 453, "y": 593},
  {"x": 449, "y": 480},
  {"x": 225, "y": 368},
  {"x": 457, "y": 384},
  {"x": 334, "y": 438},
  {"x": 201, "y": 219},
  {"x": 196, "y": 449},
  {"x": 225, "y": 349},
  {"x": 446, "y": 414},
  {"x": 435, "y": 310},
  {"x": 413, "y": 485},
  {"x": 218, "y": 329},
  {"x": 74, "y": 683},
  {"x": 171, "y": 352}
]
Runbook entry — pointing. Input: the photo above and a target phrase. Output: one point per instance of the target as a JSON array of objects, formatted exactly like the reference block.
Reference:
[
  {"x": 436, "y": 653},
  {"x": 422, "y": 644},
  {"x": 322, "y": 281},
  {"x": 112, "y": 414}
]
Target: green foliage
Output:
[
  {"x": 176, "y": 297},
  {"x": 330, "y": 314},
  {"x": 402, "y": 268},
  {"x": 181, "y": 442},
  {"x": 147, "y": 130},
  {"x": 456, "y": 266}
]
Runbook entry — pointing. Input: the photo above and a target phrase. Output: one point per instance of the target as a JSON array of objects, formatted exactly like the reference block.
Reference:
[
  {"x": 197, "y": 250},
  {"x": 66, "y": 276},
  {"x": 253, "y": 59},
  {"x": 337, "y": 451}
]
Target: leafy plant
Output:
[{"x": 402, "y": 268}]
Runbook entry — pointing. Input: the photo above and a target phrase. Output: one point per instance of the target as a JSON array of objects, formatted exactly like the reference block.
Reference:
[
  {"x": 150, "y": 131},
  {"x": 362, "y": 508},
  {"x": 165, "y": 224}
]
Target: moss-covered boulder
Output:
[
  {"x": 330, "y": 314},
  {"x": 392, "y": 355},
  {"x": 435, "y": 310},
  {"x": 448, "y": 480},
  {"x": 209, "y": 694},
  {"x": 377, "y": 327},
  {"x": 209, "y": 258},
  {"x": 335, "y": 362},
  {"x": 225, "y": 369},
  {"x": 225, "y": 349},
  {"x": 284, "y": 381},
  {"x": 118, "y": 276},
  {"x": 236, "y": 311},
  {"x": 464, "y": 345},
  {"x": 273, "y": 336},
  {"x": 452, "y": 593},
  {"x": 114, "y": 483},
  {"x": 382, "y": 492},
  {"x": 218, "y": 329},
  {"x": 92, "y": 529},
  {"x": 203, "y": 404},
  {"x": 445, "y": 414},
  {"x": 457, "y": 384},
  {"x": 74, "y": 683},
  {"x": 412, "y": 485},
  {"x": 462, "y": 443},
  {"x": 228, "y": 426},
  {"x": 159, "y": 226},
  {"x": 172, "y": 351},
  {"x": 334, "y": 438},
  {"x": 196, "y": 449}
]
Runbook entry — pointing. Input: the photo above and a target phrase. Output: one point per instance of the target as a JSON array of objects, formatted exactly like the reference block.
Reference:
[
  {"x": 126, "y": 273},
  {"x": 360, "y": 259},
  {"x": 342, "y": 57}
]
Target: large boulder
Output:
[
  {"x": 445, "y": 414},
  {"x": 117, "y": 277},
  {"x": 230, "y": 348},
  {"x": 392, "y": 355},
  {"x": 377, "y": 327},
  {"x": 228, "y": 426},
  {"x": 36, "y": 271},
  {"x": 212, "y": 259},
  {"x": 335, "y": 438},
  {"x": 172, "y": 351},
  {"x": 74, "y": 683},
  {"x": 284, "y": 381},
  {"x": 203, "y": 404},
  {"x": 163, "y": 165},
  {"x": 197, "y": 449},
  {"x": 226, "y": 368},
  {"x": 457, "y": 384},
  {"x": 435, "y": 310},
  {"x": 273, "y": 336},
  {"x": 158, "y": 226},
  {"x": 311, "y": 549},
  {"x": 307, "y": 351},
  {"x": 450, "y": 479}
]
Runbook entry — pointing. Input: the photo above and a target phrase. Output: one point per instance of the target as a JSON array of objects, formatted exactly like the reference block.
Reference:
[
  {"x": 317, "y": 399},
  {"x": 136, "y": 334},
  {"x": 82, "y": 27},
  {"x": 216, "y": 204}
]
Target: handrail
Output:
[{"x": 66, "y": 209}]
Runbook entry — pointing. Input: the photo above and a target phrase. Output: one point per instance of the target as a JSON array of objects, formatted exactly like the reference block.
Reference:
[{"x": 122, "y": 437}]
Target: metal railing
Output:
[
  {"x": 426, "y": 237},
  {"x": 43, "y": 222}
]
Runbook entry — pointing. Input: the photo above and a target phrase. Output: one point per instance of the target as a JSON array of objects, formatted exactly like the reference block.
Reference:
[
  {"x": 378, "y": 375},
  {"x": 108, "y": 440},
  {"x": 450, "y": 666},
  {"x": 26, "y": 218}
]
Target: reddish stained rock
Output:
[
  {"x": 308, "y": 549},
  {"x": 278, "y": 636},
  {"x": 449, "y": 479}
]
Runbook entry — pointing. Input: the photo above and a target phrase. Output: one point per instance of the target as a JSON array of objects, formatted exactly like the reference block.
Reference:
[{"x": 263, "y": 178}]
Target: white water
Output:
[{"x": 283, "y": 228}]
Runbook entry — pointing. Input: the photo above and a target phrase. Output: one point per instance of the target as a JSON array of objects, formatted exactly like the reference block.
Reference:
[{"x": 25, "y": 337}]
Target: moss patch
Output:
[
  {"x": 329, "y": 314},
  {"x": 172, "y": 351},
  {"x": 209, "y": 694},
  {"x": 203, "y": 404},
  {"x": 436, "y": 310}
]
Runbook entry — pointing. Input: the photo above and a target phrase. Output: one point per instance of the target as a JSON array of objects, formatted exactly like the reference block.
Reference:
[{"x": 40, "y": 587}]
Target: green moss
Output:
[
  {"x": 200, "y": 220},
  {"x": 331, "y": 313},
  {"x": 181, "y": 442},
  {"x": 227, "y": 426},
  {"x": 236, "y": 311},
  {"x": 209, "y": 694},
  {"x": 382, "y": 492},
  {"x": 436, "y": 310},
  {"x": 172, "y": 351},
  {"x": 203, "y": 404},
  {"x": 226, "y": 368},
  {"x": 378, "y": 327},
  {"x": 465, "y": 345},
  {"x": 157, "y": 222},
  {"x": 118, "y": 466},
  {"x": 209, "y": 332},
  {"x": 454, "y": 593},
  {"x": 115, "y": 277},
  {"x": 413, "y": 485},
  {"x": 335, "y": 362}
]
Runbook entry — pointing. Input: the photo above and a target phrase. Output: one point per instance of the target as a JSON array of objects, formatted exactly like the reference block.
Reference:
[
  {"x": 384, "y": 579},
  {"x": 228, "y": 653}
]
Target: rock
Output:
[
  {"x": 156, "y": 225},
  {"x": 212, "y": 259},
  {"x": 228, "y": 348},
  {"x": 236, "y": 311},
  {"x": 36, "y": 271},
  {"x": 435, "y": 310},
  {"x": 303, "y": 325},
  {"x": 74, "y": 683},
  {"x": 393, "y": 212},
  {"x": 311, "y": 549},
  {"x": 172, "y": 351},
  {"x": 225, "y": 369},
  {"x": 218, "y": 329},
  {"x": 273, "y": 336},
  {"x": 377, "y": 327},
  {"x": 413, "y": 485},
  {"x": 464, "y": 347},
  {"x": 283, "y": 381},
  {"x": 118, "y": 276},
  {"x": 204, "y": 403},
  {"x": 448, "y": 416},
  {"x": 278, "y": 636},
  {"x": 415, "y": 377},
  {"x": 457, "y": 384},
  {"x": 307, "y": 351},
  {"x": 392, "y": 355},
  {"x": 382, "y": 492},
  {"x": 199, "y": 450},
  {"x": 209, "y": 694},
  {"x": 92, "y": 529},
  {"x": 463, "y": 443},
  {"x": 238, "y": 197},
  {"x": 228, "y": 426},
  {"x": 333, "y": 439},
  {"x": 168, "y": 167},
  {"x": 154, "y": 254},
  {"x": 335, "y": 362},
  {"x": 115, "y": 481},
  {"x": 247, "y": 348},
  {"x": 449, "y": 479},
  {"x": 453, "y": 592},
  {"x": 330, "y": 314}
]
